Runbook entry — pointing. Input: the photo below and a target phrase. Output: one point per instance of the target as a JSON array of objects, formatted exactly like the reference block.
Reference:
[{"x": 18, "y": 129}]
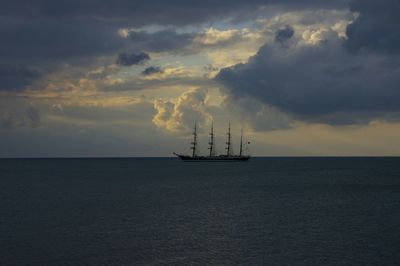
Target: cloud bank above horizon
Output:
[{"x": 99, "y": 77}]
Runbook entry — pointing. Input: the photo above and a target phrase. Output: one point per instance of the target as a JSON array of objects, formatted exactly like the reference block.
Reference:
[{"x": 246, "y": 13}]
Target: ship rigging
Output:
[{"x": 212, "y": 156}]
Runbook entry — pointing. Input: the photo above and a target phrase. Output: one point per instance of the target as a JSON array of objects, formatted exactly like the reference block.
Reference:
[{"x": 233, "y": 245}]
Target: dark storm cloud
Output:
[
  {"x": 125, "y": 59},
  {"x": 152, "y": 70},
  {"x": 320, "y": 83},
  {"x": 376, "y": 28},
  {"x": 174, "y": 12},
  {"x": 49, "y": 43},
  {"x": 51, "y": 38},
  {"x": 283, "y": 35}
]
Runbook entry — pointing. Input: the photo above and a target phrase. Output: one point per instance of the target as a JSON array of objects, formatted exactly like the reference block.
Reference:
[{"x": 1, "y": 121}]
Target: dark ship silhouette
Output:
[{"x": 212, "y": 156}]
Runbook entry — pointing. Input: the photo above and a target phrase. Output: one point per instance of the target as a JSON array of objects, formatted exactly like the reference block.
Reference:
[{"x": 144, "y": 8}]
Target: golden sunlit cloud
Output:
[{"x": 179, "y": 116}]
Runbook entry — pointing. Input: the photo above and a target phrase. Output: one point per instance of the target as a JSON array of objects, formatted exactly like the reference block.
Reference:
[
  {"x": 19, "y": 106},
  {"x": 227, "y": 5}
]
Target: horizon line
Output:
[{"x": 173, "y": 157}]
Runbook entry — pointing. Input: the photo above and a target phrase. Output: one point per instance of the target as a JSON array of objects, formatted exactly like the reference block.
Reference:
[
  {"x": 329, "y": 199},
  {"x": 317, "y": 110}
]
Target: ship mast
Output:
[
  {"x": 194, "y": 143},
  {"x": 241, "y": 142},
  {"x": 228, "y": 143},
  {"x": 211, "y": 148}
]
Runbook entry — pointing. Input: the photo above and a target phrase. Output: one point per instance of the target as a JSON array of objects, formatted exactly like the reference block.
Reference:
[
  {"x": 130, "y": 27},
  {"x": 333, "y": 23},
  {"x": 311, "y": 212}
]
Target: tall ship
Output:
[{"x": 212, "y": 156}]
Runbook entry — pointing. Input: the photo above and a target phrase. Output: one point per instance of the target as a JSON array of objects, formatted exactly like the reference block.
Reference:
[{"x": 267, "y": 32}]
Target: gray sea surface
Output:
[{"x": 162, "y": 211}]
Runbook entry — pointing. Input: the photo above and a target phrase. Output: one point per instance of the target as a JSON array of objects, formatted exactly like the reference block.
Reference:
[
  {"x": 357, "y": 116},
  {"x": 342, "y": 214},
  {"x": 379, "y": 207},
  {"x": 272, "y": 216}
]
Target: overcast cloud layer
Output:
[{"x": 44, "y": 33}]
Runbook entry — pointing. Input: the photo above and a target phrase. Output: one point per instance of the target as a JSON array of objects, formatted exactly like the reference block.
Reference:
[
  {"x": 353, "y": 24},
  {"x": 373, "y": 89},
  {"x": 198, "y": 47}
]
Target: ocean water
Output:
[{"x": 161, "y": 211}]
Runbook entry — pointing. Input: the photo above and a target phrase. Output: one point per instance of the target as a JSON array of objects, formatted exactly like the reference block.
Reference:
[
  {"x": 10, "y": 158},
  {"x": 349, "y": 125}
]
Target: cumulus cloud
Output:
[
  {"x": 227, "y": 47},
  {"x": 180, "y": 115},
  {"x": 125, "y": 59},
  {"x": 319, "y": 82}
]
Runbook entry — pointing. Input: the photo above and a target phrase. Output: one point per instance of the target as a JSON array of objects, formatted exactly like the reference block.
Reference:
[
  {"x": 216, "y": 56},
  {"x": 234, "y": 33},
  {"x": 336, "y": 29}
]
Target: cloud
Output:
[
  {"x": 283, "y": 35},
  {"x": 376, "y": 27},
  {"x": 174, "y": 12},
  {"x": 256, "y": 115},
  {"x": 16, "y": 77},
  {"x": 176, "y": 74},
  {"x": 81, "y": 28},
  {"x": 48, "y": 35},
  {"x": 180, "y": 115},
  {"x": 159, "y": 41},
  {"x": 227, "y": 47},
  {"x": 318, "y": 82},
  {"x": 55, "y": 38},
  {"x": 152, "y": 70},
  {"x": 125, "y": 59},
  {"x": 50, "y": 44},
  {"x": 215, "y": 38}
]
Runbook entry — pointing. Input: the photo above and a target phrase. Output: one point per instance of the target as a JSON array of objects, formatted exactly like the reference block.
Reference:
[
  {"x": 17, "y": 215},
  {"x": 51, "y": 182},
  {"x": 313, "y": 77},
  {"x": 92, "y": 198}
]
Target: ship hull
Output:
[{"x": 221, "y": 158}]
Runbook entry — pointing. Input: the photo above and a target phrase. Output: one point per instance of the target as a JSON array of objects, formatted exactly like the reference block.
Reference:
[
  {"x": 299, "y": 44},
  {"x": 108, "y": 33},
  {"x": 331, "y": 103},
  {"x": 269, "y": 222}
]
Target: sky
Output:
[{"x": 85, "y": 78}]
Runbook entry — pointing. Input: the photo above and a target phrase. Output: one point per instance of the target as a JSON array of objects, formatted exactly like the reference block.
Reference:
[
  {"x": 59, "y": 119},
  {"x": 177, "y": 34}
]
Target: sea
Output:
[{"x": 162, "y": 211}]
